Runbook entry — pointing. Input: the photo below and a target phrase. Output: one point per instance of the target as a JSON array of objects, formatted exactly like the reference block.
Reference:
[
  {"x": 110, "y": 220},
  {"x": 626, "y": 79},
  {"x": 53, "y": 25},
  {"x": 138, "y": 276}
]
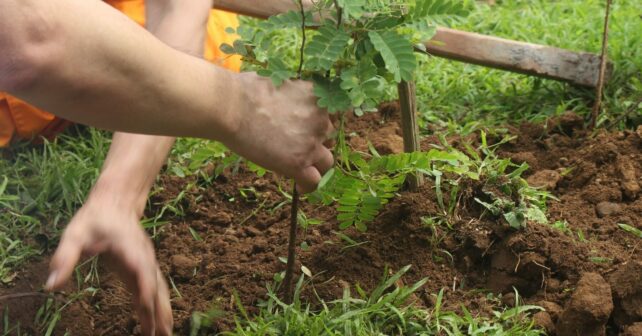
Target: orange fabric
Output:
[{"x": 19, "y": 120}]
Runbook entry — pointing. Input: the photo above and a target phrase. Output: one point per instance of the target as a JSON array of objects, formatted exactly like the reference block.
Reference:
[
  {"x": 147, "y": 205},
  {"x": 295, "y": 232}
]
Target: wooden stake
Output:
[
  {"x": 603, "y": 61},
  {"x": 408, "y": 103}
]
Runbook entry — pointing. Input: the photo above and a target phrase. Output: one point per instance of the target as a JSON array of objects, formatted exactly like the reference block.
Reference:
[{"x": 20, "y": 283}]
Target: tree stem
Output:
[
  {"x": 288, "y": 291},
  {"x": 603, "y": 61},
  {"x": 289, "y": 269}
]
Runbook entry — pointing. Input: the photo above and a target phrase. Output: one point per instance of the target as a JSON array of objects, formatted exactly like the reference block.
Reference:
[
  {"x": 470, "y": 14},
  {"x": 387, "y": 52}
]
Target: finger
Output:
[
  {"x": 308, "y": 179},
  {"x": 325, "y": 128},
  {"x": 147, "y": 291},
  {"x": 137, "y": 268},
  {"x": 66, "y": 257},
  {"x": 329, "y": 128},
  {"x": 164, "y": 318},
  {"x": 325, "y": 160}
]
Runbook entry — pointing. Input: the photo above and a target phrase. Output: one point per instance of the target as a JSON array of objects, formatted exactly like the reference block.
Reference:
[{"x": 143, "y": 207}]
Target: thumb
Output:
[
  {"x": 65, "y": 259},
  {"x": 307, "y": 179}
]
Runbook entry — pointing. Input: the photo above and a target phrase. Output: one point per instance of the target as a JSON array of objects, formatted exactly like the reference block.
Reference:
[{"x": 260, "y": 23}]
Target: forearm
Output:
[
  {"x": 134, "y": 160},
  {"x": 101, "y": 69},
  {"x": 130, "y": 170}
]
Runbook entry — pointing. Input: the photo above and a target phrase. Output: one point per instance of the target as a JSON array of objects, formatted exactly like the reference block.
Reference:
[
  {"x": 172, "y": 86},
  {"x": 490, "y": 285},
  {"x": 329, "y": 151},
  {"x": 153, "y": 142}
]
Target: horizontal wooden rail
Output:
[{"x": 579, "y": 68}]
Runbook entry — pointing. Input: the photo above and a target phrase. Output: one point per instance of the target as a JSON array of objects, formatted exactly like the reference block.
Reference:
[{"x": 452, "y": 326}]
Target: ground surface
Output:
[
  {"x": 596, "y": 179},
  {"x": 47, "y": 184}
]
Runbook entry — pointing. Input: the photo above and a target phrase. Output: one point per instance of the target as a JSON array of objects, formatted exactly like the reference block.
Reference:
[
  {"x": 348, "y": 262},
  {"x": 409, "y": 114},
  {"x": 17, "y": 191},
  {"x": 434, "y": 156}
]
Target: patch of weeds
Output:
[
  {"x": 505, "y": 192},
  {"x": 46, "y": 318},
  {"x": 439, "y": 228},
  {"x": 387, "y": 310},
  {"x": 41, "y": 187}
]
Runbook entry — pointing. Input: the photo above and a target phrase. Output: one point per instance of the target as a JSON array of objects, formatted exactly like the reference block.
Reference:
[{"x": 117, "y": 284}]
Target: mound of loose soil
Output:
[{"x": 589, "y": 286}]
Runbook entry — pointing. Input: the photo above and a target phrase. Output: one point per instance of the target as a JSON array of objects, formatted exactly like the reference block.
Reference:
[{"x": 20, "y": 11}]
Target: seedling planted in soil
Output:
[{"x": 358, "y": 50}]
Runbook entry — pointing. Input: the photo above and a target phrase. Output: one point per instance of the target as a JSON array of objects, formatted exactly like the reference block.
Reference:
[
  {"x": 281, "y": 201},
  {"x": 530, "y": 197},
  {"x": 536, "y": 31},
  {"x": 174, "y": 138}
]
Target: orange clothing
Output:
[{"x": 19, "y": 120}]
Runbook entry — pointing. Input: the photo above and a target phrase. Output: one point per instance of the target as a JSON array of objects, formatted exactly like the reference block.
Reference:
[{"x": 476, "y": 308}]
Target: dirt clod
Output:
[
  {"x": 544, "y": 321},
  {"x": 589, "y": 308},
  {"x": 605, "y": 209},
  {"x": 508, "y": 299},
  {"x": 567, "y": 123},
  {"x": 221, "y": 218},
  {"x": 552, "y": 308},
  {"x": 183, "y": 266},
  {"x": 633, "y": 330},
  {"x": 630, "y": 185},
  {"x": 546, "y": 179},
  {"x": 388, "y": 140},
  {"x": 627, "y": 293},
  {"x": 527, "y": 157}
]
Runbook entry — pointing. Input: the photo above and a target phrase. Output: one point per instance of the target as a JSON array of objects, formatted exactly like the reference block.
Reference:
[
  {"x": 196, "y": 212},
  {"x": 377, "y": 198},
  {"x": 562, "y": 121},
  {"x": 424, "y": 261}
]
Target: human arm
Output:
[
  {"x": 261, "y": 9},
  {"x": 101, "y": 69},
  {"x": 109, "y": 221},
  {"x": 109, "y": 224}
]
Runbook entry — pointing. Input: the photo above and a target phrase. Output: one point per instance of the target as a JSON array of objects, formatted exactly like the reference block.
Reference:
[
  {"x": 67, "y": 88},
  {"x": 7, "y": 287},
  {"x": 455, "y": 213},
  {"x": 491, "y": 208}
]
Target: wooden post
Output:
[{"x": 408, "y": 103}]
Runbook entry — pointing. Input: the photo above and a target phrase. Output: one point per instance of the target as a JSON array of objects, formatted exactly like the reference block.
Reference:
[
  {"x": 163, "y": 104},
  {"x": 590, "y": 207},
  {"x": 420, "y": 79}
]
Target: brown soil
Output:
[{"x": 595, "y": 282}]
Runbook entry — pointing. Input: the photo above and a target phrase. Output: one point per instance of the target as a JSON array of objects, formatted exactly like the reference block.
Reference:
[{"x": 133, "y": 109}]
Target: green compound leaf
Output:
[
  {"x": 326, "y": 47},
  {"x": 363, "y": 84},
  {"x": 277, "y": 71},
  {"x": 331, "y": 96},
  {"x": 291, "y": 19},
  {"x": 397, "y": 53},
  {"x": 435, "y": 8},
  {"x": 424, "y": 15},
  {"x": 352, "y": 8}
]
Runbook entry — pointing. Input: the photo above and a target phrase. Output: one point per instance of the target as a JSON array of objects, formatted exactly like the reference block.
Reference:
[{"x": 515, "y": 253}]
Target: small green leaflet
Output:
[
  {"x": 291, "y": 19},
  {"x": 331, "y": 96},
  {"x": 238, "y": 48},
  {"x": 326, "y": 178},
  {"x": 277, "y": 71},
  {"x": 352, "y": 8},
  {"x": 397, "y": 53},
  {"x": 438, "y": 8},
  {"x": 515, "y": 219},
  {"x": 326, "y": 47},
  {"x": 362, "y": 83}
]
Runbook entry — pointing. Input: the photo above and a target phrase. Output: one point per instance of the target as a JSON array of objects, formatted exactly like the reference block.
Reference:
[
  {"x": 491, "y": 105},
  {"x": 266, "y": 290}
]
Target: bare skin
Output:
[
  {"x": 280, "y": 129},
  {"x": 55, "y": 63},
  {"x": 109, "y": 221}
]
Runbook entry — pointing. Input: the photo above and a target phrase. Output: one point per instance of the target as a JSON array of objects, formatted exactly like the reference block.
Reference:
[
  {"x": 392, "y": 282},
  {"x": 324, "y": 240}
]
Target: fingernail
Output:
[{"x": 51, "y": 281}]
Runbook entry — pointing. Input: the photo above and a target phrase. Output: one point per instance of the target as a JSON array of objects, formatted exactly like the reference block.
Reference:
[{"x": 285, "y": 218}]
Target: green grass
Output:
[
  {"x": 42, "y": 186},
  {"x": 386, "y": 310},
  {"x": 449, "y": 90}
]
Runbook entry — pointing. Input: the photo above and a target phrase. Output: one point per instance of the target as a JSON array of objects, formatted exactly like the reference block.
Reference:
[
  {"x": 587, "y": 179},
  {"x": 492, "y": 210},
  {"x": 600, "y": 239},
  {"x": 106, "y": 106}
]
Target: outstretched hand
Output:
[{"x": 98, "y": 228}]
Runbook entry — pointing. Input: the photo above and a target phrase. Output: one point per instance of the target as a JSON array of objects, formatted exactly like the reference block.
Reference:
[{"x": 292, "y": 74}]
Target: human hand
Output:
[
  {"x": 282, "y": 129},
  {"x": 101, "y": 227}
]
